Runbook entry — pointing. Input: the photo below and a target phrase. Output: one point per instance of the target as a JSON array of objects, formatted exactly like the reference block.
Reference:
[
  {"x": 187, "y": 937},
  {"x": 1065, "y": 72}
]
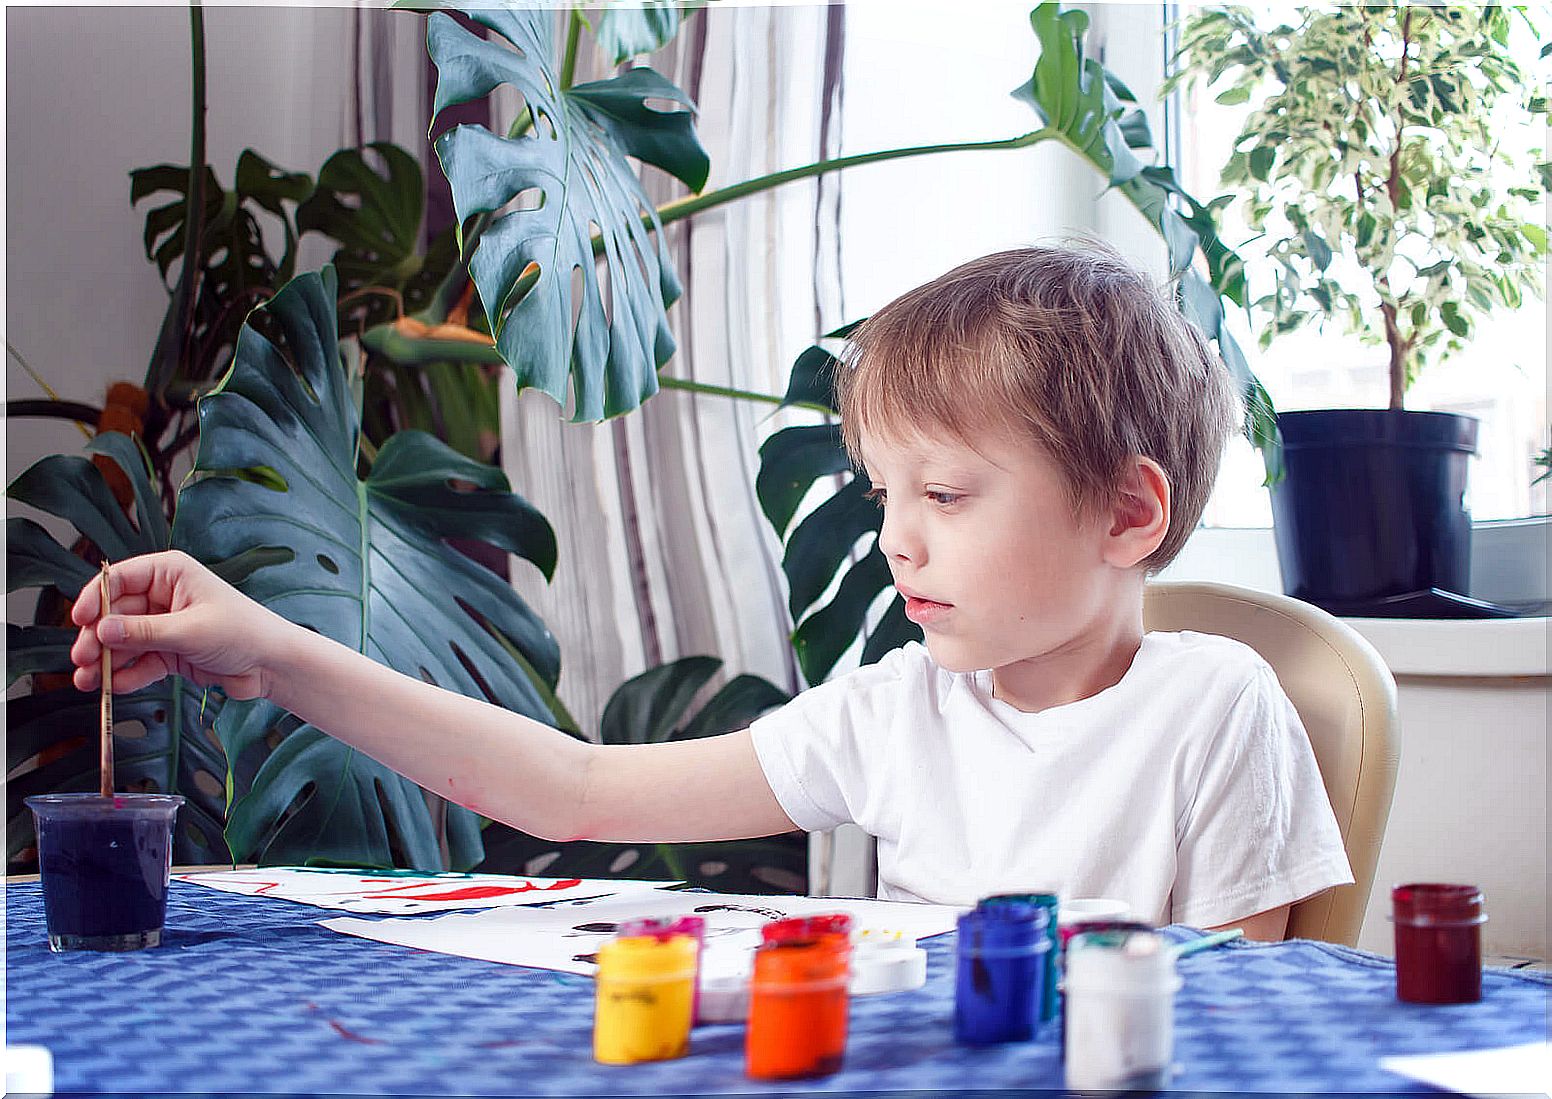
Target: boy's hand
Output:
[{"x": 170, "y": 614}]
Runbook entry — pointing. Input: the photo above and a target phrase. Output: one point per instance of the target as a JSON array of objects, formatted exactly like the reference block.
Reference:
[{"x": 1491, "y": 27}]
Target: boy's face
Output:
[{"x": 985, "y": 547}]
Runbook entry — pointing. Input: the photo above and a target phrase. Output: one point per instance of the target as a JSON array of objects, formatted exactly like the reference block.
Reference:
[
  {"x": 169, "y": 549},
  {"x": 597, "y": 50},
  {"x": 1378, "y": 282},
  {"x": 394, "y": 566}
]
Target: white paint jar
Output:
[{"x": 1119, "y": 1005}]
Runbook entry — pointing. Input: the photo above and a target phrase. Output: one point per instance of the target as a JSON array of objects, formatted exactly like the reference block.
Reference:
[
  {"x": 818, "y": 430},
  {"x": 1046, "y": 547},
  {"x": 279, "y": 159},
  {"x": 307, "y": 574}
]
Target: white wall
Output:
[{"x": 93, "y": 92}]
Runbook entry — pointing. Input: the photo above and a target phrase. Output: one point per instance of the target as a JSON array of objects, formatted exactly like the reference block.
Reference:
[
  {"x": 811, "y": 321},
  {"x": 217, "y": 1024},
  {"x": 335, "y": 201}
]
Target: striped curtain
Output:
[{"x": 664, "y": 552}]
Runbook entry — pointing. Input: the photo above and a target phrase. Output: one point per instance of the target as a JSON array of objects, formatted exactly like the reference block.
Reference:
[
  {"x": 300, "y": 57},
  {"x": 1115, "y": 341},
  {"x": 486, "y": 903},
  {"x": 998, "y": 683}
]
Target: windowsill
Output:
[
  {"x": 1497, "y": 648},
  {"x": 1509, "y": 566}
]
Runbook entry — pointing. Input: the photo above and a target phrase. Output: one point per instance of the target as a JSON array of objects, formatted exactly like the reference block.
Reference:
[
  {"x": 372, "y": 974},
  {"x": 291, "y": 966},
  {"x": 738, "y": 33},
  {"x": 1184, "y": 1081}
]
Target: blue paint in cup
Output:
[{"x": 104, "y": 864}]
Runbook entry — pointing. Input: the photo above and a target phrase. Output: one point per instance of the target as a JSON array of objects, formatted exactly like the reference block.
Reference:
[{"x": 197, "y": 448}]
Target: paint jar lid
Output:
[
  {"x": 1436, "y": 904},
  {"x": 1082, "y": 927},
  {"x": 807, "y": 927},
  {"x": 648, "y": 958},
  {"x": 663, "y": 926},
  {"x": 1048, "y": 901},
  {"x": 1082, "y": 909},
  {"x": 1136, "y": 963},
  {"x": 797, "y": 963},
  {"x": 887, "y": 965}
]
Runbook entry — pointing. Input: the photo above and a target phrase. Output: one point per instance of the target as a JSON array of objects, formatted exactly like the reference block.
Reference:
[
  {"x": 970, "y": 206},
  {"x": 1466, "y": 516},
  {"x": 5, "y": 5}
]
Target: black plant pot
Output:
[{"x": 1370, "y": 516}]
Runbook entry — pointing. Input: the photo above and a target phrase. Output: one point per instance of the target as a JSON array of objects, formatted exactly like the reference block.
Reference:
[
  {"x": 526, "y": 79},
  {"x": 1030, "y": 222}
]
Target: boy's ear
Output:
[{"x": 1139, "y": 517}]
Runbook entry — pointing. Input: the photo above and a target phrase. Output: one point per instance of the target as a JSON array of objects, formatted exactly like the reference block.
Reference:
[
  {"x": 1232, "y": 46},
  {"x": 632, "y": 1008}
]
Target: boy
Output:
[{"x": 1042, "y": 430}]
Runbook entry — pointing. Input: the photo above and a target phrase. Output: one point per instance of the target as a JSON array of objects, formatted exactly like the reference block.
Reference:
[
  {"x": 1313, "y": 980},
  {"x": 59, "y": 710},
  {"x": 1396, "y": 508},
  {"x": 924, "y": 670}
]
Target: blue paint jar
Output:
[
  {"x": 1050, "y": 903},
  {"x": 1003, "y": 949}
]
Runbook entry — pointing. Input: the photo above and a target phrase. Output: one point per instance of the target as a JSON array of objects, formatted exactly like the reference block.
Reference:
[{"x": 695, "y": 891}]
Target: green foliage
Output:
[
  {"x": 235, "y": 268},
  {"x": 377, "y": 218},
  {"x": 569, "y": 171},
  {"x": 1094, "y": 114},
  {"x": 1373, "y": 163},
  {"x": 162, "y": 741},
  {"x": 625, "y": 31},
  {"x": 365, "y": 562}
]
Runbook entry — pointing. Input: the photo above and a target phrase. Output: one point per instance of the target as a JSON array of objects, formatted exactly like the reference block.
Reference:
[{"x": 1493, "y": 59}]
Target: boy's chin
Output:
[{"x": 954, "y": 658}]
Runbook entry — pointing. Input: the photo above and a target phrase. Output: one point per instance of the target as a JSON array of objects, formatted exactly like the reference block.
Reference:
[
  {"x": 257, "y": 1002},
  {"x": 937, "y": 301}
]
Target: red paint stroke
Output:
[
  {"x": 350, "y": 1035},
  {"x": 264, "y": 886},
  {"x": 470, "y": 892}
]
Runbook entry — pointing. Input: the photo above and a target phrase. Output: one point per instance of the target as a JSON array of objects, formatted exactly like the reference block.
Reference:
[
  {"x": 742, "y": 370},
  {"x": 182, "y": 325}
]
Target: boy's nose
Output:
[{"x": 897, "y": 541}]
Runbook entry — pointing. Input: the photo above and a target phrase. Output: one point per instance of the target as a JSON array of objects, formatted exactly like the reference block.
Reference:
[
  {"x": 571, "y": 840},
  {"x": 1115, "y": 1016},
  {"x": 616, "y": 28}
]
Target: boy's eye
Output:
[
  {"x": 944, "y": 498},
  {"x": 875, "y": 494}
]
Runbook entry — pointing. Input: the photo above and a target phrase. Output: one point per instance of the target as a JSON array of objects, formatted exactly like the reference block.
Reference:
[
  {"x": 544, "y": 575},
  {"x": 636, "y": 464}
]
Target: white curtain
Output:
[{"x": 664, "y": 552}]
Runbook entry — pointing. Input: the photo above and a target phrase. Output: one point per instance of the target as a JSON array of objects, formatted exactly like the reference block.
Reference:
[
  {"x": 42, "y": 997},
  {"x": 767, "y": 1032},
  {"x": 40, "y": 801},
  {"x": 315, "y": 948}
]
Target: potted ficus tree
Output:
[{"x": 1374, "y": 163}]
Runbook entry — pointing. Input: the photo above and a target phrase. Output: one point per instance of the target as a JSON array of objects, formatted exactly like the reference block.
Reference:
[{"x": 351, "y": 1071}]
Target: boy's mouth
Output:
[{"x": 924, "y": 611}]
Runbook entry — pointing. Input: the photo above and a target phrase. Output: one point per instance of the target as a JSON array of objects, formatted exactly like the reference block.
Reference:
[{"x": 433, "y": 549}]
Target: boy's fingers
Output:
[
  {"x": 133, "y": 674},
  {"x": 127, "y": 579},
  {"x": 144, "y": 672},
  {"x": 84, "y": 609},
  {"x": 139, "y": 633},
  {"x": 84, "y": 614}
]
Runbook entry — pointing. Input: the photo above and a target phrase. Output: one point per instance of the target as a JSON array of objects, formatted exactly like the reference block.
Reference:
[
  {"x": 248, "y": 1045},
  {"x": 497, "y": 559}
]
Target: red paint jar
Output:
[{"x": 1438, "y": 942}]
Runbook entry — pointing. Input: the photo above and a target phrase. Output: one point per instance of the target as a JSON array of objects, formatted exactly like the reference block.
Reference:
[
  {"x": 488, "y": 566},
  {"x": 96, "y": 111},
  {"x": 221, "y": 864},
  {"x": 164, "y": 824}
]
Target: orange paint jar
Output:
[{"x": 798, "y": 1005}]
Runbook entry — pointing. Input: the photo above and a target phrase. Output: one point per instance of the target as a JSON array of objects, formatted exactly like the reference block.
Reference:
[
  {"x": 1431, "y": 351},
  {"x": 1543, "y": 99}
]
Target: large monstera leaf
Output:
[
  {"x": 654, "y": 707},
  {"x": 568, "y": 172},
  {"x": 365, "y": 562},
  {"x": 1097, "y": 117},
  {"x": 162, "y": 738},
  {"x": 827, "y": 539}
]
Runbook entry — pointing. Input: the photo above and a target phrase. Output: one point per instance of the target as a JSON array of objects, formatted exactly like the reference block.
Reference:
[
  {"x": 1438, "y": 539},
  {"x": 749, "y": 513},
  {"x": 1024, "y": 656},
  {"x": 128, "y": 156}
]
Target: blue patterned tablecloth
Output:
[{"x": 250, "y": 996}]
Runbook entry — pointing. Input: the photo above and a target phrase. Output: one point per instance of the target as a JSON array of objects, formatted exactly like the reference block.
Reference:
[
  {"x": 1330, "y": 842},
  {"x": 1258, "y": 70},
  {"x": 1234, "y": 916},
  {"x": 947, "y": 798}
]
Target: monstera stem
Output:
[
  {"x": 671, "y": 212},
  {"x": 687, "y": 386},
  {"x": 568, "y": 66}
]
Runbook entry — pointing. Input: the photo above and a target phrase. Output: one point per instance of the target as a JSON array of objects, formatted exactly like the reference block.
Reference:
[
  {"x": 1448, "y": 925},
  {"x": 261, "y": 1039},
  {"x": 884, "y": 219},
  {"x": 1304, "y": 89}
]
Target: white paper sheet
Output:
[
  {"x": 398, "y": 893},
  {"x": 1511, "y": 1070},
  {"x": 564, "y": 936}
]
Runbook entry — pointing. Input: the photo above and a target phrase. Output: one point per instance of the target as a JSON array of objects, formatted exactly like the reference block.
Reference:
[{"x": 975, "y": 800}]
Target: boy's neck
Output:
[{"x": 1091, "y": 662}]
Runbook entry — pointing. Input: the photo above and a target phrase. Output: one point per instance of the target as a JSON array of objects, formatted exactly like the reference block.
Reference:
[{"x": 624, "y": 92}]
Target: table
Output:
[{"x": 248, "y": 995}]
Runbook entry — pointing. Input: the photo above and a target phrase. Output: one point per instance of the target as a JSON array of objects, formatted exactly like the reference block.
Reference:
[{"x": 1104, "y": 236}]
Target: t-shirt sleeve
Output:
[
  {"x": 820, "y": 753},
  {"x": 1259, "y": 832}
]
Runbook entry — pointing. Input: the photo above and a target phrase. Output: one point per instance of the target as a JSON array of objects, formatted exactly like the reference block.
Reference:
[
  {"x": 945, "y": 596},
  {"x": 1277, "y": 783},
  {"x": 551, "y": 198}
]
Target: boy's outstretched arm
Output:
[{"x": 172, "y": 615}]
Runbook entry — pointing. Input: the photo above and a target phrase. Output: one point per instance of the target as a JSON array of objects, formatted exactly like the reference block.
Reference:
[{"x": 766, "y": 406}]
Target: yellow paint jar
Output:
[{"x": 645, "y": 998}]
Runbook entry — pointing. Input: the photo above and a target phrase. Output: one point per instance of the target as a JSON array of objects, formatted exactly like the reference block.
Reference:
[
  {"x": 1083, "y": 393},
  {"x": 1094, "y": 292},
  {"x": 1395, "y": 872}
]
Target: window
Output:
[{"x": 1501, "y": 378}]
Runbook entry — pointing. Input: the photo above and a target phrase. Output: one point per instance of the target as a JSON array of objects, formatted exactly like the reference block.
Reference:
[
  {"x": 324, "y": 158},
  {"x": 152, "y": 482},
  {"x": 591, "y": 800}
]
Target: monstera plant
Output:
[{"x": 275, "y": 495}]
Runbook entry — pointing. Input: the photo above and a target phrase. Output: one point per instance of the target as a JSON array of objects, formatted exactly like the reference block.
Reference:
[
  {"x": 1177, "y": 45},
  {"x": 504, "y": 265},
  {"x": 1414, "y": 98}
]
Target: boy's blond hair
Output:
[{"x": 1067, "y": 345}]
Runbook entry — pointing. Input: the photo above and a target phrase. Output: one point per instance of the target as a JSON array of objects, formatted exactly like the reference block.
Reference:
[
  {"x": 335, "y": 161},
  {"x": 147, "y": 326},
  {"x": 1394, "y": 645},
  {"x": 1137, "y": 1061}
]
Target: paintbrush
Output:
[
  {"x": 106, "y": 769},
  {"x": 1207, "y": 942}
]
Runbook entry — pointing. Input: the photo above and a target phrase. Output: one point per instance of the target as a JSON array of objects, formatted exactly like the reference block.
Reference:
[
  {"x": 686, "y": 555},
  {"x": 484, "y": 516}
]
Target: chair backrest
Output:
[{"x": 1346, "y": 698}]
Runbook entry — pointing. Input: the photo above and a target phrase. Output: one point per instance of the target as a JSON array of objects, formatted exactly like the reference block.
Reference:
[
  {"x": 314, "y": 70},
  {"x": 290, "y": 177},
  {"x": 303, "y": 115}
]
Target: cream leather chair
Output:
[{"x": 1345, "y": 696}]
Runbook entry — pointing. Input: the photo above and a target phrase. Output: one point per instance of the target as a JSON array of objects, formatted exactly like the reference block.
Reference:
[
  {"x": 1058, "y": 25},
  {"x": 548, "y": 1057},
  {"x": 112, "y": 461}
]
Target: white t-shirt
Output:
[{"x": 1188, "y": 789}]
